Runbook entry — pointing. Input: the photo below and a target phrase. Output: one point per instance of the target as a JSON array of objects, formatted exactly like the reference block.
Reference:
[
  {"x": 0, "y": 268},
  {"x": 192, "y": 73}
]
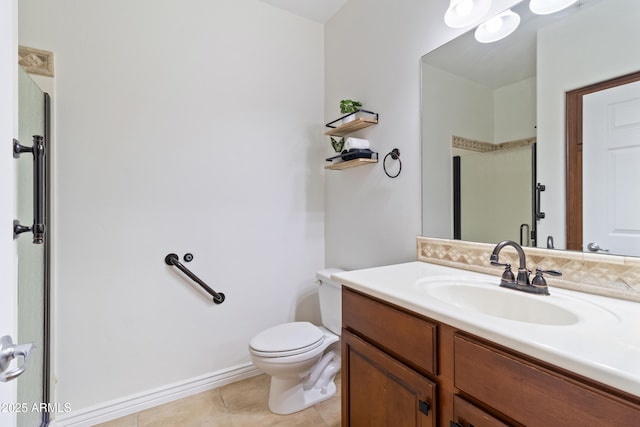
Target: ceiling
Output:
[{"x": 316, "y": 10}]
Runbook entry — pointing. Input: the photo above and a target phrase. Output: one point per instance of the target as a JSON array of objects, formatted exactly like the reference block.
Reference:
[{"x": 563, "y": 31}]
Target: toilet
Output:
[{"x": 301, "y": 358}]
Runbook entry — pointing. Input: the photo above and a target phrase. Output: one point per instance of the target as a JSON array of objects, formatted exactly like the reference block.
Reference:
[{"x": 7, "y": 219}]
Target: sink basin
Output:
[{"x": 487, "y": 298}]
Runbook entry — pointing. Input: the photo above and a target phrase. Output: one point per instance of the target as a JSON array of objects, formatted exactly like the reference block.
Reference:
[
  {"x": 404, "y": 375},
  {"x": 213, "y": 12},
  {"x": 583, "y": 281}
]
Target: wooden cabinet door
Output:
[
  {"x": 467, "y": 415},
  {"x": 379, "y": 391}
]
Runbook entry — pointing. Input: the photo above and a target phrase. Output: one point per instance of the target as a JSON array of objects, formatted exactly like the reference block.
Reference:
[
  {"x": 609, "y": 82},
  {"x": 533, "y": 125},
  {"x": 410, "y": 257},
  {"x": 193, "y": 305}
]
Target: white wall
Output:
[
  {"x": 515, "y": 111},
  {"x": 496, "y": 194},
  {"x": 190, "y": 126},
  {"x": 8, "y": 131},
  {"x": 570, "y": 57},
  {"x": 515, "y": 118},
  {"x": 442, "y": 118},
  {"x": 372, "y": 53}
]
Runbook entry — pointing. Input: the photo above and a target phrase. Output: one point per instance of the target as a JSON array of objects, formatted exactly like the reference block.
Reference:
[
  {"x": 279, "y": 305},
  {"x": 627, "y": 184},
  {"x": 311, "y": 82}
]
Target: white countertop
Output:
[{"x": 604, "y": 344}]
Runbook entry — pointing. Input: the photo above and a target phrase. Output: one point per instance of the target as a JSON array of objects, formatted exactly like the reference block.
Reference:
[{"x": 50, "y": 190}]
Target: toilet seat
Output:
[{"x": 287, "y": 339}]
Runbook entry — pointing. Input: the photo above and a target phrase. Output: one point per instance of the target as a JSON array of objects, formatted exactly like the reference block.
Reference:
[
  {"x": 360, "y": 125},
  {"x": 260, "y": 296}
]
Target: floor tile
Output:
[
  {"x": 191, "y": 411},
  {"x": 240, "y": 404},
  {"x": 128, "y": 421},
  {"x": 259, "y": 415},
  {"x": 218, "y": 420},
  {"x": 330, "y": 411},
  {"x": 245, "y": 393}
]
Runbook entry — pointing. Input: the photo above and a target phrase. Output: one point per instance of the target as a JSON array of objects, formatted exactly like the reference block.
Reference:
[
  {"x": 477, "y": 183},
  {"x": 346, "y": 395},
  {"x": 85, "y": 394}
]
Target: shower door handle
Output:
[
  {"x": 10, "y": 351},
  {"x": 38, "y": 150},
  {"x": 539, "y": 189}
]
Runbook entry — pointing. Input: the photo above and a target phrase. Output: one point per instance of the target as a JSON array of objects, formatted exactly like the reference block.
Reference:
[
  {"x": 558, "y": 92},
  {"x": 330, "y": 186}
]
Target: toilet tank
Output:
[{"x": 330, "y": 294}]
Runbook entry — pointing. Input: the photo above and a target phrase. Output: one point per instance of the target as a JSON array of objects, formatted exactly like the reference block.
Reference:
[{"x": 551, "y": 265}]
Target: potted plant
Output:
[
  {"x": 348, "y": 106},
  {"x": 337, "y": 144}
]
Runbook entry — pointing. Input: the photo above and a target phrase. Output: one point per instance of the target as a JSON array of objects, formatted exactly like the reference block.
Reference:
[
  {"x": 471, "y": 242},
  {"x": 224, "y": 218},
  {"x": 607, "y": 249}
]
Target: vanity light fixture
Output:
[
  {"x": 465, "y": 12},
  {"x": 498, "y": 27},
  {"x": 546, "y": 7}
]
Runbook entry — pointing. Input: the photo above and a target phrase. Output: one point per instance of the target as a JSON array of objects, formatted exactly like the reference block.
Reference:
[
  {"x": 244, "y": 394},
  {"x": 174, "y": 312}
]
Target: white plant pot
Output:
[{"x": 348, "y": 119}]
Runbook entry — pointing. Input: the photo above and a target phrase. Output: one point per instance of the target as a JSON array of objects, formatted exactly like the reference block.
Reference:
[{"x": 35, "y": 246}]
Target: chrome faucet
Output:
[{"x": 521, "y": 282}]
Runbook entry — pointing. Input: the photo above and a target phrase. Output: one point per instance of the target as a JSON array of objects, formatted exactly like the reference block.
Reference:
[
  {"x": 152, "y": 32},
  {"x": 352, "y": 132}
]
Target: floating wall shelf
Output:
[
  {"x": 363, "y": 119},
  {"x": 350, "y": 164},
  {"x": 352, "y": 126}
]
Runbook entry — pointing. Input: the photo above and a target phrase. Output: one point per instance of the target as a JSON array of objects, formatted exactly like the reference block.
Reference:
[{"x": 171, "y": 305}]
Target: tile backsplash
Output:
[{"x": 608, "y": 275}]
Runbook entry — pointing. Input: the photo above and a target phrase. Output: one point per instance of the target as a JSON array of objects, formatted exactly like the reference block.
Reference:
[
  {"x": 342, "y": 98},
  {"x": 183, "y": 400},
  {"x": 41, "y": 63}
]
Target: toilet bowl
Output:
[{"x": 301, "y": 358}]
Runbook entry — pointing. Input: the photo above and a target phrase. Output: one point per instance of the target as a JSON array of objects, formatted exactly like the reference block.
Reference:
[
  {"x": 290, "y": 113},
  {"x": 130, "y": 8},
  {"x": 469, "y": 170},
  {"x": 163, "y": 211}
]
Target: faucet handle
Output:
[
  {"x": 551, "y": 272},
  {"x": 539, "y": 280},
  {"x": 507, "y": 275}
]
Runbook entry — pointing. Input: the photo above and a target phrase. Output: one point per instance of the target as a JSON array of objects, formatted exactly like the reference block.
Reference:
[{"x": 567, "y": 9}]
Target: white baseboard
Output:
[{"x": 138, "y": 402}]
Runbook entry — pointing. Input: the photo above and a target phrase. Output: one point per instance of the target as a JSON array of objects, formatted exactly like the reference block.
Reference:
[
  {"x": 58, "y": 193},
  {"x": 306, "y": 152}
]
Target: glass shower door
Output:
[{"x": 32, "y": 259}]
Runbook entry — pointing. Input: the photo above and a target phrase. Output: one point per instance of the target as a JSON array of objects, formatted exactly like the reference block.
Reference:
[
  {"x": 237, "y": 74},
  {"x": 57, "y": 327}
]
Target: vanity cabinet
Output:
[
  {"x": 400, "y": 368},
  {"x": 386, "y": 353}
]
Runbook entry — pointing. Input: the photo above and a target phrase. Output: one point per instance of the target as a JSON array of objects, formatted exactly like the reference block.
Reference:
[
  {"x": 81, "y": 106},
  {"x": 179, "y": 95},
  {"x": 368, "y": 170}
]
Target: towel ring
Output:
[{"x": 395, "y": 155}]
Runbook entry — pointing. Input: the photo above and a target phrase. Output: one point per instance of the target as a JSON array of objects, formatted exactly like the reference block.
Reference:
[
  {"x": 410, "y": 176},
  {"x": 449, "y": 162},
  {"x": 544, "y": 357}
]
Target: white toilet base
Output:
[{"x": 287, "y": 395}]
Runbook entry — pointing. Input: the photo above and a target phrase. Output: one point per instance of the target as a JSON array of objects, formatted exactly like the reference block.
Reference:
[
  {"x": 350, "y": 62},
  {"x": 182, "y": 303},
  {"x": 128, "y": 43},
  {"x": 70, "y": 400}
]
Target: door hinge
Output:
[{"x": 424, "y": 407}]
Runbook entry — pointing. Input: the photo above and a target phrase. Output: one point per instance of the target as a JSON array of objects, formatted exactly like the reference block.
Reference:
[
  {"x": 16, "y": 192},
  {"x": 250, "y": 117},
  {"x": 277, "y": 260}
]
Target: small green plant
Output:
[
  {"x": 337, "y": 144},
  {"x": 348, "y": 106}
]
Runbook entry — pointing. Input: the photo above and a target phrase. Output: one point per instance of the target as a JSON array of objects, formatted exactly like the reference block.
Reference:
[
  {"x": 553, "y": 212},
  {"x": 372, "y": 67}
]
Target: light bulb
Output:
[
  {"x": 464, "y": 8},
  {"x": 494, "y": 25},
  {"x": 546, "y": 7},
  {"x": 462, "y": 13},
  {"x": 498, "y": 27}
]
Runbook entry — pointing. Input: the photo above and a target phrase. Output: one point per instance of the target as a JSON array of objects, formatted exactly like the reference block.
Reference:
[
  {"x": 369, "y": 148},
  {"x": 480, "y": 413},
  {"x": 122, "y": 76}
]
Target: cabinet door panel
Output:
[
  {"x": 467, "y": 415},
  {"x": 533, "y": 395},
  {"x": 380, "y": 391}
]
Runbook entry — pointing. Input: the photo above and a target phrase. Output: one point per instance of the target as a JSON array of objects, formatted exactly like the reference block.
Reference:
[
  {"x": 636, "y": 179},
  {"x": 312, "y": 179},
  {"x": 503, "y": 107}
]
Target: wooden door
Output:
[
  {"x": 574, "y": 124},
  {"x": 379, "y": 391},
  {"x": 611, "y": 177}
]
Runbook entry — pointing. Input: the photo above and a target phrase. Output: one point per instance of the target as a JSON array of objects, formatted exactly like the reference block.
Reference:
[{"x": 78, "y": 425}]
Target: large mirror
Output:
[{"x": 494, "y": 127}]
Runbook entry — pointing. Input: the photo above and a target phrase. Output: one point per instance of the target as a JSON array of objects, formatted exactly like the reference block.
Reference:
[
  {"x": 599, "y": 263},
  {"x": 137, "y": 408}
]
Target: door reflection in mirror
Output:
[{"x": 610, "y": 172}]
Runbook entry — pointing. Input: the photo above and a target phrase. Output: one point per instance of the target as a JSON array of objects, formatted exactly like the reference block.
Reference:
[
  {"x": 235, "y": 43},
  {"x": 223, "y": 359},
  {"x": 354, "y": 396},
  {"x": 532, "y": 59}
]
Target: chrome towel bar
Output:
[{"x": 172, "y": 259}]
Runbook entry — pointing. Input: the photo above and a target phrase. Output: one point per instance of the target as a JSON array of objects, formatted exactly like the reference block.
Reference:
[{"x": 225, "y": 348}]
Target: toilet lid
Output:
[{"x": 287, "y": 339}]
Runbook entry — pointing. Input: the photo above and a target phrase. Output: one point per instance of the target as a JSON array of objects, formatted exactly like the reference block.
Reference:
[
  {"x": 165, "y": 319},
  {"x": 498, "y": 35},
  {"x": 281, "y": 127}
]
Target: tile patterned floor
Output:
[{"x": 241, "y": 404}]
